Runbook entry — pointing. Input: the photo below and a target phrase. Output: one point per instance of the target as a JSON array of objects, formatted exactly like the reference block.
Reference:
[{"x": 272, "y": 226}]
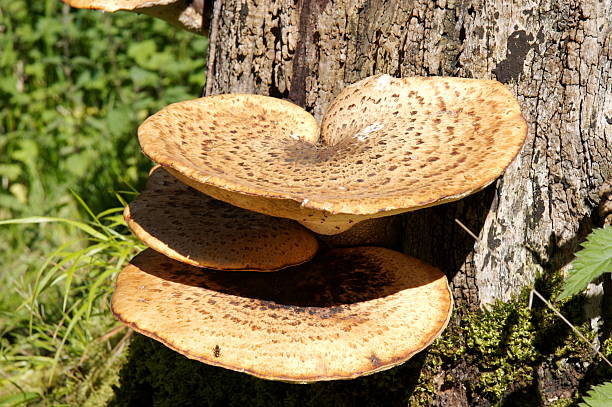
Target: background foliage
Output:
[{"x": 74, "y": 85}]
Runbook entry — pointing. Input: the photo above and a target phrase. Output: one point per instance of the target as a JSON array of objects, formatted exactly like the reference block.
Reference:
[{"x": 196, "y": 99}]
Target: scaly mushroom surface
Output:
[
  {"x": 386, "y": 146},
  {"x": 193, "y": 228},
  {"x": 347, "y": 313}
]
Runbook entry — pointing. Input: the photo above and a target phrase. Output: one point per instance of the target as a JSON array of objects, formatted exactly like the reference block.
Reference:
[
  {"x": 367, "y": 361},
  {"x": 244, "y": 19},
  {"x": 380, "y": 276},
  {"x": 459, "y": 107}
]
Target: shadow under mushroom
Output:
[{"x": 347, "y": 313}]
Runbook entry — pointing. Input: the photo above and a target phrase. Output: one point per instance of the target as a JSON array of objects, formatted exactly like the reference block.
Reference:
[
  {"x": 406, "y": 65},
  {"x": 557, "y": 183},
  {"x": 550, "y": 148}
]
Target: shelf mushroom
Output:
[
  {"x": 185, "y": 14},
  {"x": 196, "y": 229},
  {"x": 345, "y": 314},
  {"x": 385, "y": 146}
]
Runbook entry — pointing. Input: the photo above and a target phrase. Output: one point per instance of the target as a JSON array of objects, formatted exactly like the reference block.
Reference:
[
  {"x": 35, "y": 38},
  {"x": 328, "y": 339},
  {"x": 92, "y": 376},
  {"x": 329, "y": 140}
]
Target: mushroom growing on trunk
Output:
[
  {"x": 385, "y": 146},
  {"x": 194, "y": 228},
  {"x": 185, "y": 14}
]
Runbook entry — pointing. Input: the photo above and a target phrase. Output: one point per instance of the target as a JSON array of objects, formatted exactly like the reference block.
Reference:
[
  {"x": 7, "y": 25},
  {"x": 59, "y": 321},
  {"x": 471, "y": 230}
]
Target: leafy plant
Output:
[
  {"x": 591, "y": 262},
  {"x": 74, "y": 86},
  {"x": 599, "y": 396}
]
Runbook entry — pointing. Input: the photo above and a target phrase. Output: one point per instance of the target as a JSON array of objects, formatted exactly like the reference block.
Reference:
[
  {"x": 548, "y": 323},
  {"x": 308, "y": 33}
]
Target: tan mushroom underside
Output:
[
  {"x": 184, "y": 14},
  {"x": 349, "y": 313},
  {"x": 193, "y": 228},
  {"x": 387, "y": 146},
  {"x": 384, "y": 232}
]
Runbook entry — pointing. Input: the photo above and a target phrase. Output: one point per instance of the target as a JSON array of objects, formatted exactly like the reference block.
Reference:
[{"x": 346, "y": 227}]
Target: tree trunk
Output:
[{"x": 554, "y": 55}]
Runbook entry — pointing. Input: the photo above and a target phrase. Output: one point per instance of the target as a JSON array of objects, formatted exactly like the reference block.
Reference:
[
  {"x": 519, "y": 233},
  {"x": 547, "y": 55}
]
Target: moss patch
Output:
[
  {"x": 511, "y": 355},
  {"x": 91, "y": 380},
  {"x": 489, "y": 355}
]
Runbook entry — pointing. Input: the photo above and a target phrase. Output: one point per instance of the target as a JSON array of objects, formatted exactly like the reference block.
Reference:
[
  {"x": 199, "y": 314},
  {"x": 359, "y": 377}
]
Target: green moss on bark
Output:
[{"x": 511, "y": 355}]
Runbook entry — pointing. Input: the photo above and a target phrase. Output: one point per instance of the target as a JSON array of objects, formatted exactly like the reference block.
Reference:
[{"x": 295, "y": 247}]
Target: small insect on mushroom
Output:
[{"x": 217, "y": 351}]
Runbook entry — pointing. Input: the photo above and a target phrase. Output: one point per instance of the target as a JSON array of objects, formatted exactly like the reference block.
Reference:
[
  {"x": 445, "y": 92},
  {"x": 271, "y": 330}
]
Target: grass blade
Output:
[
  {"x": 50, "y": 219},
  {"x": 19, "y": 399}
]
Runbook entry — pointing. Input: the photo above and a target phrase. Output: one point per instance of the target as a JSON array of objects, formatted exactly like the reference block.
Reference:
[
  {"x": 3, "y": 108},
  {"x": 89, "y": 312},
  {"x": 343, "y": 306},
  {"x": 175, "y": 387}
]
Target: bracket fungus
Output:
[
  {"x": 385, "y": 146},
  {"x": 347, "y": 313},
  {"x": 185, "y": 14},
  {"x": 382, "y": 232},
  {"x": 196, "y": 229}
]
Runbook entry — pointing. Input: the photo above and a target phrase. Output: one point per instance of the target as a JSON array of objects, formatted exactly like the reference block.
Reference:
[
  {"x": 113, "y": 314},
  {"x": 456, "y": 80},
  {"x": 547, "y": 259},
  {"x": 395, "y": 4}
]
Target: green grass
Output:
[
  {"x": 74, "y": 86},
  {"x": 65, "y": 306}
]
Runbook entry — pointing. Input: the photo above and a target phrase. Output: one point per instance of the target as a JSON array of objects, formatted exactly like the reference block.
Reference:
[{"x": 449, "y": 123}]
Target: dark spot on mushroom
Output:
[{"x": 375, "y": 361}]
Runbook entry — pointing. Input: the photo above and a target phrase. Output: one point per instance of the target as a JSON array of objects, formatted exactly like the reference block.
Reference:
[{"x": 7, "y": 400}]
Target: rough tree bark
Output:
[{"x": 556, "y": 56}]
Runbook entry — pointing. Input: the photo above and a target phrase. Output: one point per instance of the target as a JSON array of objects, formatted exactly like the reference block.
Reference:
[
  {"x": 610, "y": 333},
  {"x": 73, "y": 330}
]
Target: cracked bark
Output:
[{"x": 555, "y": 56}]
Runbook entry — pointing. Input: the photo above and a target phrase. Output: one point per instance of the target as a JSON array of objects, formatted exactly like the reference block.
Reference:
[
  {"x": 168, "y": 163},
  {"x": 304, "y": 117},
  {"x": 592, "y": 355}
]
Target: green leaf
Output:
[
  {"x": 78, "y": 163},
  {"x": 592, "y": 261},
  {"x": 118, "y": 122},
  {"x": 142, "y": 52},
  {"x": 19, "y": 399},
  {"x": 11, "y": 171},
  {"x": 142, "y": 77},
  {"x": 27, "y": 153},
  {"x": 8, "y": 85},
  {"x": 9, "y": 201},
  {"x": 598, "y": 396}
]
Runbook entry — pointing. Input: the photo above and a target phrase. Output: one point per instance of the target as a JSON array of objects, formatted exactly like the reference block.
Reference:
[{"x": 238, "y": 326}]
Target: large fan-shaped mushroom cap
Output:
[
  {"x": 387, "y": 146},
  {"x": 348, "y": 313},
  {"x": 194, "y": 228}
]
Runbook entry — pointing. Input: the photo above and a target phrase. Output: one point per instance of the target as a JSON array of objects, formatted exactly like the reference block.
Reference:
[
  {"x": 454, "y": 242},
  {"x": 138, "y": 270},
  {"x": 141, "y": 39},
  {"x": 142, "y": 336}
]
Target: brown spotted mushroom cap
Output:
[
  {"x": 347, "y": 313},
  {"x": 387, "y": 146},
  {"x": 193, "y": 228},
  {"x": 185, "y": 14}
]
